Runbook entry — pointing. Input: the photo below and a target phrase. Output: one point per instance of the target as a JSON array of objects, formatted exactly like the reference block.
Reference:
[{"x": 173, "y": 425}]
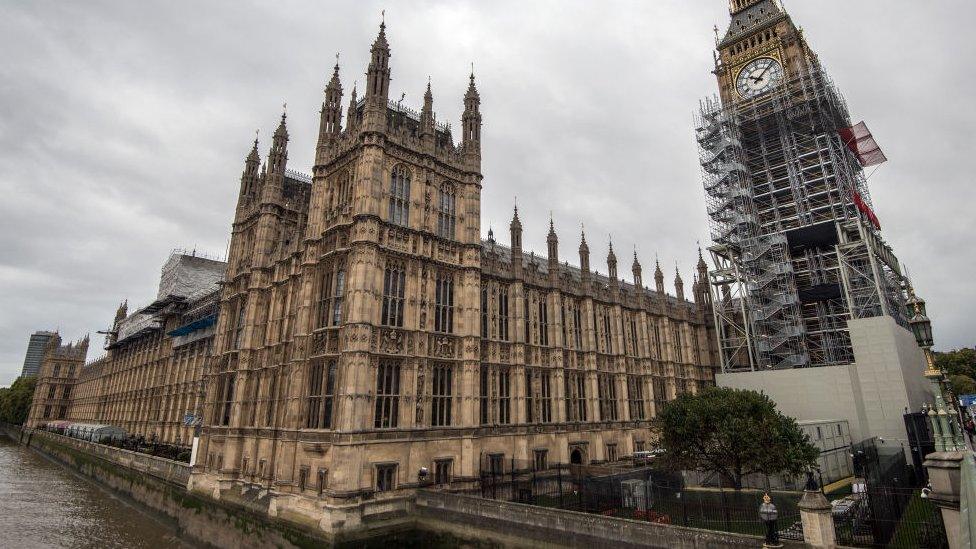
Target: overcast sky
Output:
[{"x": 123, "y": 127}]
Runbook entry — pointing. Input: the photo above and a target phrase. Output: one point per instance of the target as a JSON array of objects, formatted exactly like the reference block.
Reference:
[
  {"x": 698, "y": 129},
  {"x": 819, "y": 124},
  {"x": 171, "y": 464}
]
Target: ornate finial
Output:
[
  {"x": 256, "y": 132},
  {"x": 383, "y": 19},
  {"x": 552, "y": 227},
  {"x": 337, "y": 61},
  {"x": 284, "y": 111},
  {"x": 472, "y": 71}
]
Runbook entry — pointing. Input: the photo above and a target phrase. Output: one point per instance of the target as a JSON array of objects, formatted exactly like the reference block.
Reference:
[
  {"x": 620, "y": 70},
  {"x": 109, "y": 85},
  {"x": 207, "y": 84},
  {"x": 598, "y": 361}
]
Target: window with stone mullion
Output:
[
  {"x": 400, "y": 196},
  {"x": 387, "y": 395},
  {"x": 444, "y": 303},
  {"x": 446, "y": 214},
  {"x": 394, "y": 280},
  {"x": 441, "y": 395}
]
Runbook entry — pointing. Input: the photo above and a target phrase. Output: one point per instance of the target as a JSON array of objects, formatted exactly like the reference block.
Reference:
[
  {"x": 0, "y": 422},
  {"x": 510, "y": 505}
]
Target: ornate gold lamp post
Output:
[{"x": 946, "y": 427}]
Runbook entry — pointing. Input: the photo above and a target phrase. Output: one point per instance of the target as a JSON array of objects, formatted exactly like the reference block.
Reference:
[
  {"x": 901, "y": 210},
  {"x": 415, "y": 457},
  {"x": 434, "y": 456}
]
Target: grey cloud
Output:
[{"x": 123, "y": 126}]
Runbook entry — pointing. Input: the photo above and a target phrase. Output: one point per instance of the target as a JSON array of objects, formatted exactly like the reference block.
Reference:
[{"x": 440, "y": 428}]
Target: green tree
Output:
[
  {"x": 959, "y": 362},
  {"x": 962, "y": 385},
  {"x": 733, "y": 433},
  {"x": 15, "y": 400}
]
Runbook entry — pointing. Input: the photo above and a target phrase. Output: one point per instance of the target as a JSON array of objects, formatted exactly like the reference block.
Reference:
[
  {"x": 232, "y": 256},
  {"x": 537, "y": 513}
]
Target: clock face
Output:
[{"x": 758, "y": 77}]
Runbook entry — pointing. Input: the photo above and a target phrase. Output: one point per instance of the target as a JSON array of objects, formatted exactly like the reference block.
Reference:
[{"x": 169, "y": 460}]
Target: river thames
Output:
[{"x": 43, "y": 504}]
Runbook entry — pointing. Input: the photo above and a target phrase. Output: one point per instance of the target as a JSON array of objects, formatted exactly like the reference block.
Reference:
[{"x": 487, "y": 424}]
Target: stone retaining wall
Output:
[{"x": 532, "y": 526}]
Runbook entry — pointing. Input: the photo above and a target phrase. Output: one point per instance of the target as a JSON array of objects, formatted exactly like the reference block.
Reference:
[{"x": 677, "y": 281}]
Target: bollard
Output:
[{"x": 816, "y": 516}]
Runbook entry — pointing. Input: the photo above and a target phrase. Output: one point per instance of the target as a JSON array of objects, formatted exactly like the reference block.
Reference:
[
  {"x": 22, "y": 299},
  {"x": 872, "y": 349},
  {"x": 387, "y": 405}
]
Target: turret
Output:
[
  {"x": 427, "y": 117},
  {"x": 351, "y": 112},
  {"x": 679, "y": 285},
  {"x": 330, "y": 123},
  {"x": 553, "y": 244},
  {"x": 584, "y": 254},
  {"x": 612, "y": 263},
  {"x": 249, "y": 178},
  {"x": 703, "y": 294},
  {"x": 516, "y": 233},
  {"x": 273, "y": 179},
  {"x": 378, "y": 73},
  {"x": 636, "y": 269},
  {"x": 471, "y": 125},
  {"x": 658, "y": 277}
]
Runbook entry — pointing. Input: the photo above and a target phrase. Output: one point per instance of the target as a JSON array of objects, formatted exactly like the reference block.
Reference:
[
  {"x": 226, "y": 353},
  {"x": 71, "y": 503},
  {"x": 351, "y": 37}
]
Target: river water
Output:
[{"x": 44, "y": 504}]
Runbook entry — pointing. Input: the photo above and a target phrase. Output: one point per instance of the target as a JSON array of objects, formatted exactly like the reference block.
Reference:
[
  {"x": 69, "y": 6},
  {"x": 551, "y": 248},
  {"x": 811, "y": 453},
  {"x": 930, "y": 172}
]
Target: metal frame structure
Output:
[{"x": 795, "y": 256}]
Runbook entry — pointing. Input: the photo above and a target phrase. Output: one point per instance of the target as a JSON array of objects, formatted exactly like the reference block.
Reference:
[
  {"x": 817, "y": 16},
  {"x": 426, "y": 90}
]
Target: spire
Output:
[
  {"x": 584, "y": 252},
  {"x": 612, "y": 262},
  {"x": 378, "y": 74},
  {"x": 679, "y": 285},
  {"x": 427, "y": 113},
  {"x": 702, "y": 266},
  {"x": 658, "y": 277},
  {"x": 278, "y": 156},
  {"x": 121, "y": 312},
  {"x": 516, "y": 230},
  {"x": 471, "y": 123},
  {"x": 331, "y": 117},
  {"x": 553, "y": 241},
  {"x": 351, "y": 112},
  {"x": 249, "y": 177},
  {"x": 636, "y": 269}
]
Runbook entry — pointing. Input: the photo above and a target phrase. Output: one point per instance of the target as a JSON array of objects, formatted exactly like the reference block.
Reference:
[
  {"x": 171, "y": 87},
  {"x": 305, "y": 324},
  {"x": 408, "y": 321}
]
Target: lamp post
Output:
[
  {"x": 944, "y": 423},
  {"x": 768, "y": 513}
]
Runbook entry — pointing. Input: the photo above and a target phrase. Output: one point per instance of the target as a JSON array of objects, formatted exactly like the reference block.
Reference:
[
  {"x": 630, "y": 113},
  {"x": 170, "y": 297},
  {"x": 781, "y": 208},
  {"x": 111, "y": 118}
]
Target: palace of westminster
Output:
[{"x": 362, "y": 335}]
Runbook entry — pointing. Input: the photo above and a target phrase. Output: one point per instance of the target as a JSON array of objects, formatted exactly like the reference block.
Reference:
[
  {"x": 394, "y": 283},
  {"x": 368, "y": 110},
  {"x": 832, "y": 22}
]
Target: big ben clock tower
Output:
[{"x": 797, "y": 246}]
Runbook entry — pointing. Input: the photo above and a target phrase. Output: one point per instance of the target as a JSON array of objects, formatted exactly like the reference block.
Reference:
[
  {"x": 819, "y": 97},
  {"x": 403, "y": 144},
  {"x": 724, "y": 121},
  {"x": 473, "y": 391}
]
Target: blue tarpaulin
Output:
[{"x": 194, "y": 326}]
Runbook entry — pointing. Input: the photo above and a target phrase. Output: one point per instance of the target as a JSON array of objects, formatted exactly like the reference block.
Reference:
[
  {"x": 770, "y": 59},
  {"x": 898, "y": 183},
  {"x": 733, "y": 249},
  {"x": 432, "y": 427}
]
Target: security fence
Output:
[{"x": 636, "y": 493}]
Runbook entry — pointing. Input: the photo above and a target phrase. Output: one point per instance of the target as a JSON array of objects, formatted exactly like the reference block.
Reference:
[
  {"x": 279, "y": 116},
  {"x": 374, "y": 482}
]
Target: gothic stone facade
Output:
[
  {"x": 54, "y": 392},
  {"x": 366, "y": 331}
]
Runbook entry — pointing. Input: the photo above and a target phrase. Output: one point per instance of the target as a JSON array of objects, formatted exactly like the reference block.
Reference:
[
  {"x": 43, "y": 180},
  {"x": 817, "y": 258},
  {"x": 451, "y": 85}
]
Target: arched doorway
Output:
[{"x": 576, "y": 458}]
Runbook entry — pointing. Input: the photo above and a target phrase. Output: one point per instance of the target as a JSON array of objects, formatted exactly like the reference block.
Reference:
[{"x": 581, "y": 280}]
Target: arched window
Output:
[
  {"x": 343, "y": 191},
  {"x": 394, "y": 281},
  {"x": 400, "y": 196},
  {"x": 446, "y": 212}
]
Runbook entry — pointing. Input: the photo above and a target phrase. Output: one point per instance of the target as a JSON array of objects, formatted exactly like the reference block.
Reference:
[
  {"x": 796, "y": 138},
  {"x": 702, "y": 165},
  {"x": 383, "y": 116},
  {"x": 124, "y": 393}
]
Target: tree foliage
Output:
[
  {"x": 15, "y": 400},
  {"x": 733, "y": 433},
  {"x": 957, "y": 363},
  {"x": 962, "y": 385}
]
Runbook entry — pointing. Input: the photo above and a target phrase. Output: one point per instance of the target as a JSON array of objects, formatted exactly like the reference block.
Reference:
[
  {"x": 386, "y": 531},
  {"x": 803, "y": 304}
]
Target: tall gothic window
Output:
[
  {"x": 239, "y": 322},
  {"x": 527, "y": 313},
  {"x": 446, "y": 212},
  {"x": 543, "y": 320},
  {"x": 394, "y": 280},
  {"x": 608, "y": 397},
  {"x": 444, "y": 303},
  {"x": 225, "y": 398},
  {"x": 484, "y": 312},
  {"x": 577, "y": 323},
  {"x": 441, "y": 395},
  {"x": 332, "y": 286},
  {"x": 607, "y": 331},
  {"x": 485, "y": 393},
  {"x": 635, "y": 397},
  {"x": 337, "y": 297},
  {"x": 495, "y": 393},
  {"x": 660, "y": 394},
  {"x": 633, "y": 335},
  {"x": 504, "y": 396},
  {"x": 575, "y": 388},
  {"x": 538, "y": 392},
  {"x": 343, "y": 192},
  {"x": 503, "y": 312},
  {"x": 563, "y": 320},
  {"x": 387, "y": 394},
  {"x": 400, "y": 196},
  {"x": 321, "y": 394},
  {"x": 676, "y": 336}
]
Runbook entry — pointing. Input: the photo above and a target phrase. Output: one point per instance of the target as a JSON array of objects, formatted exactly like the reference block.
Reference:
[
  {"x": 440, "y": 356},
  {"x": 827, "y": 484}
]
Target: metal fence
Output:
[
  {"x": 637, "y": 493},
  {"x": 888, "y": 509}
]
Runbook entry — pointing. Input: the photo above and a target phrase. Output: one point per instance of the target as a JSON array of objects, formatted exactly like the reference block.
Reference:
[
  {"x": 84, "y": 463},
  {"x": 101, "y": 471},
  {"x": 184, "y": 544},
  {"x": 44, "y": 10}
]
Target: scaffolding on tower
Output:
[{"x": 796, "y": 250}]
